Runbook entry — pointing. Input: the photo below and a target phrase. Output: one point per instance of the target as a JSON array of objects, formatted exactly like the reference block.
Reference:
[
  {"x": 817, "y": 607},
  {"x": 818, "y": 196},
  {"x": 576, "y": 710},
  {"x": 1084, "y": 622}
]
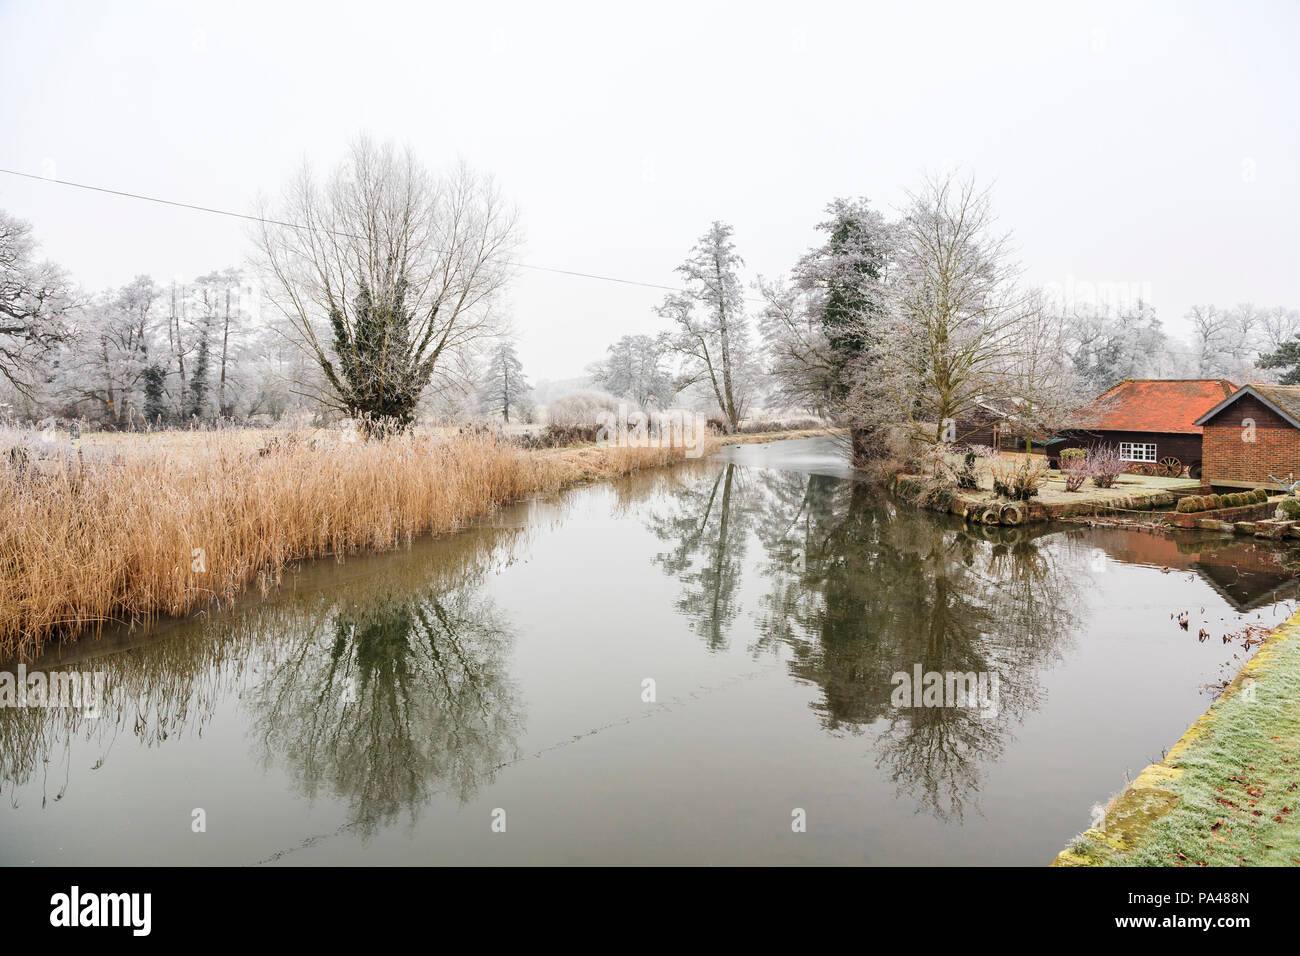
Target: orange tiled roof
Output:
[{"x": 1153, "y": 405}]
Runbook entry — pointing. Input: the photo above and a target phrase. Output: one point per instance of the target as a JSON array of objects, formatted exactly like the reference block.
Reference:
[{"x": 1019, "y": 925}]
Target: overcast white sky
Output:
[{"x": 1151, "y": 145}]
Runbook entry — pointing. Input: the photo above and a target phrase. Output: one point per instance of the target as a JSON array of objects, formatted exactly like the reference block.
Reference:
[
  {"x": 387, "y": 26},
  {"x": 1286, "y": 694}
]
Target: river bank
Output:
[
  {"x": 1226, "y": 793},
  {"x": 143, "y": 529},
  {"x": 1130, "y": 493},
  {"x": 371, "y": 710},
  {"x": 130, "y": 529}
]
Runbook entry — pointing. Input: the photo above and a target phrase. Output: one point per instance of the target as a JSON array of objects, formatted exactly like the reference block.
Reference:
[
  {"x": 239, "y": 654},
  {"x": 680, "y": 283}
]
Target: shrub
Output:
[
  {"x": 1018, "y": 480},
  {"x": 560, "y": 436},
  {"x": 717, "y": 424},
  {"x": 776, "y": 425},
  {"x": 1075, "y": 468},
  {"x": 1104, "y": 465},
  {"x": 584, "y": 408},
  {"x": 966, "y": 475},
  {"x": 1193, "y": 503},
  {"x": 1289, "y": 508}
]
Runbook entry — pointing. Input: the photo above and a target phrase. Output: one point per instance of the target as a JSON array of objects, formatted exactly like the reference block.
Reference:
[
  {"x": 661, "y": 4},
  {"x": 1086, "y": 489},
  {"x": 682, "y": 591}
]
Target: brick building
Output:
[
  {"x": 1152, "y": 422},
  {"x": 1252, "y": 434}
]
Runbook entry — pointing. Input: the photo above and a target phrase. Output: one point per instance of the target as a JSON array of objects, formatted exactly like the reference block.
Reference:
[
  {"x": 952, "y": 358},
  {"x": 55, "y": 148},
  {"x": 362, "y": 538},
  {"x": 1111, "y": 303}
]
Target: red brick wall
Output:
[{"x": 1275, "y": 450}]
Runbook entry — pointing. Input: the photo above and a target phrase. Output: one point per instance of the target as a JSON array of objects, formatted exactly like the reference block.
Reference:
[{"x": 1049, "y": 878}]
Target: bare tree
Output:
[
  {"x": 802, "y": 360},
  {"x": 35, "y": 297},
  {"x": 1210, "y": 328},
  {"x": 713, "y": 329},
  {"x": 1277, "y": 326},
  {"x": 959, "y": 329},
  {"x": 1108, "y": 347},
  {"x": 1041, "y": 385},
  {"x": 388, "y": 274},
  {"x": 635, "y": 368}
]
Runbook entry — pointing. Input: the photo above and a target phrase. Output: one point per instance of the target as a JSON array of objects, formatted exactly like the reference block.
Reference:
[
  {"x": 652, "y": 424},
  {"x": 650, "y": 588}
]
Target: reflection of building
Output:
[
  {"x": 1251, "y": 434},
  {"x": 1148, "y": 420},
  {"x": 1245, "y": 574},
  {"x": 1248, "y": 576}
]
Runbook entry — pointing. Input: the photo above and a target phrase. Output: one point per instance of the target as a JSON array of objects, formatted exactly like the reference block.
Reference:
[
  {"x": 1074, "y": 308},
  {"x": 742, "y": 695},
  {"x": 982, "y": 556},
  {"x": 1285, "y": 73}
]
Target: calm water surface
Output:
[{"x": 385, "y": 709}]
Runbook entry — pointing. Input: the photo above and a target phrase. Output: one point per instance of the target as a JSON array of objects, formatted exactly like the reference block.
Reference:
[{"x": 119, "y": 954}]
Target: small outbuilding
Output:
[
  {"x": 1253, "y": 437},
  {"x": 1152, "y": 422},
  {"x": 984, "y": 423}
]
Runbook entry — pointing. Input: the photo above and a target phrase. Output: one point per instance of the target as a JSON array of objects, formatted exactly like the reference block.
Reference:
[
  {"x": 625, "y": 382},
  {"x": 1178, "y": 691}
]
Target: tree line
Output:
[{"x": 376, "y": 293}]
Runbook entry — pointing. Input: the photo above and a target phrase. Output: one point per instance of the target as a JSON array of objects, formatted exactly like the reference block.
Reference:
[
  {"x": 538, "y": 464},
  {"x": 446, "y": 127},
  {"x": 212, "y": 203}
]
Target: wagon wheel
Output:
[
  {"x": 1139, "y": 469},
  {"x": 1172, "y": 466}
]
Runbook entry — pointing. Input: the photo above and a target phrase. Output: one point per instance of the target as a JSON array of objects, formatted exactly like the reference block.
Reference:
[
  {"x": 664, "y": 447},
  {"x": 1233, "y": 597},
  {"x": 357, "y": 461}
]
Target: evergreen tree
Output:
[
  {"x": 378, "y": 375},
  {"x": 154, "y": 377},
  {"x": 505, "y": 387},
  {"x": 1287, "y": 357},
  {"x": 198, "y": 384},
  {"x": 850, "y": 267}
]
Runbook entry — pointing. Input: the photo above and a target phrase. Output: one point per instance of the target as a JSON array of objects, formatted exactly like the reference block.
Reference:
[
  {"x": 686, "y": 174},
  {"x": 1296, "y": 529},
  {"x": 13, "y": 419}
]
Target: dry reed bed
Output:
[{"x": 146, "y": 528}]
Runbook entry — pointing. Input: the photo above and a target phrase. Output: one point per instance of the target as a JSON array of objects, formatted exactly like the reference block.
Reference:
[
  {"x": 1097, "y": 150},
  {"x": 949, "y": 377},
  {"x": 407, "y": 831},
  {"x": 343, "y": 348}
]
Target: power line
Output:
[{"x": 293, "y": 225}]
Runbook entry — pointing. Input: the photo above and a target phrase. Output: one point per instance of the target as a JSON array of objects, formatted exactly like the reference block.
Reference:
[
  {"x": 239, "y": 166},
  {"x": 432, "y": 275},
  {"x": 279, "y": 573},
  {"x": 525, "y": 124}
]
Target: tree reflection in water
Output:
[
  {"x": 403, "y": 696},
  {"x": 379, "y": 689},
  {"x": 708, "y": 524},
  {"x": 859, "y": 590}
]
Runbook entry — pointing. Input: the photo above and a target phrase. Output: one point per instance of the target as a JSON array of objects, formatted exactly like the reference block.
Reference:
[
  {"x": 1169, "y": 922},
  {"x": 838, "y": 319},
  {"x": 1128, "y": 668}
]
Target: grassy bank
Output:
[
  {"x": 754, "y": 438},
  {"x": 1227, "y": 793},
  {"x": 127, "y": 529}
]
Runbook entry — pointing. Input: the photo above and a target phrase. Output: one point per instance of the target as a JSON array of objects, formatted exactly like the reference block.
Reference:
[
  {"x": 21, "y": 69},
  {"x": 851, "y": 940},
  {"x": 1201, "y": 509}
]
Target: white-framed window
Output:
[{"x": 1137, "y": 451}]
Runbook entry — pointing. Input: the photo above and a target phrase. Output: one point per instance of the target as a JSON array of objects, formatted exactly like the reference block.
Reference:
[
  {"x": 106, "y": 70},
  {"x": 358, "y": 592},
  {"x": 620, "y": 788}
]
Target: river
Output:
[{"x": 696, "y": 665}]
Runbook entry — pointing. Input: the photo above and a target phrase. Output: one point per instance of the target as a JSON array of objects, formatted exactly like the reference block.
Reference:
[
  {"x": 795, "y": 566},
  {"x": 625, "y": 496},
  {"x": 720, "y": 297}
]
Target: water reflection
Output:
[
  {"x": 381, "y": 684},
  {"x": 707, "y": 523},
  {"x": 374, "y": 689},
  {"x": 393, "y": 699},
  {"x": 859, "y": 591}
]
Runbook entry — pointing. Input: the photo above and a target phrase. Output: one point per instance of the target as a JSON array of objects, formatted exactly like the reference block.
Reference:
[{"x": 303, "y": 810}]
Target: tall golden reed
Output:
[{"x": 140, "y": 527}]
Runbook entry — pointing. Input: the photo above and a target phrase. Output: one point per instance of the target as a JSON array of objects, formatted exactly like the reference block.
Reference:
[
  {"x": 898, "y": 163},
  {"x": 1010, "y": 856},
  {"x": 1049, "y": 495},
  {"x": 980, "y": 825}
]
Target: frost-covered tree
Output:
[
  {"x": 1108, "y": 346},
  {"x": 101, "y": 365},
  {"x": 386, "y": 274},
  {"x": 1210, "y": 336},
  {"x": 636, "y": 367},
  {"x": 959, "y": 330},
  {"x": 1232, "y": 342},
  {"x": 819, "y": 324},
  {"x": 713, "y": 338},
  {"x": 504, "y": 387},
  {"x": 1278, "y": 325},
  {"x": 225, "y": 325},
  {"x": 35, "y": 298}
]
